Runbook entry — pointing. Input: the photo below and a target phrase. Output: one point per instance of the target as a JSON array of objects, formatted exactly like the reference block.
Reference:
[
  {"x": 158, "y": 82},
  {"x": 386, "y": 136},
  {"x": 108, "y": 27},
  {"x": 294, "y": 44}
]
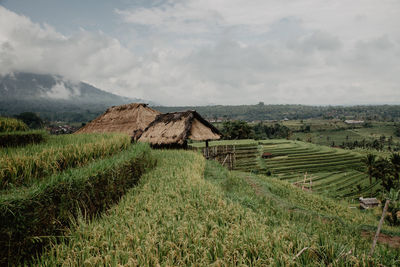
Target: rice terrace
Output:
[
  {"x": 102, "y": 197},
  {"x": 199, "y": 133}
]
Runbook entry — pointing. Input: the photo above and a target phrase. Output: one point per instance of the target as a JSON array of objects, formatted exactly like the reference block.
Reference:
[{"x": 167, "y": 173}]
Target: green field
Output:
[
  {"x": 100, "y": 201},
  {"x": 331, "y": 132},
  {"x": 334, "y": 172},
  {"x": 26, "y": 165},
  {"x": 189, "y": 212}
]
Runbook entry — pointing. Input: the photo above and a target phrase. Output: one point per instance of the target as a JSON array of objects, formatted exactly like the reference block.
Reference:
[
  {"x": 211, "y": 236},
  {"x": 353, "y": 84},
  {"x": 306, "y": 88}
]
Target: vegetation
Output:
[
  {"x": 237, "y": 130},
  {"x": 386, "y": 170},
  {"x": 31, "y": 119},
  {"x": 32, "y": 216},
  {"x": 175, "y": 217},
  {"x": 13, "y": 139},
  {"x": 11, "y": 125},
  {"x": 261, "y": 112},
  {"x": 25, "y": 165}
]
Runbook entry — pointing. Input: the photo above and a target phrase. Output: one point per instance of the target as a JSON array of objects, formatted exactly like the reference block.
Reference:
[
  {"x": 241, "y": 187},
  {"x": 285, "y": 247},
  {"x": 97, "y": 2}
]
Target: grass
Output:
[
  {"x": 32, "y": 216},
  {"x": 12, "y": 125},
  {"x": 189, "y": 212},
  {"x": 25, "y": 165}
]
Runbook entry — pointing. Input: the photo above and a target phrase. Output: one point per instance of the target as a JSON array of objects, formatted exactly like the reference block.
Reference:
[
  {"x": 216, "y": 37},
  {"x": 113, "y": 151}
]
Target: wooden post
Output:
[
  {"x": 304, "y": 182},
  {"x": 207, "y": 155},
  {"x": 379, "y": 227}
]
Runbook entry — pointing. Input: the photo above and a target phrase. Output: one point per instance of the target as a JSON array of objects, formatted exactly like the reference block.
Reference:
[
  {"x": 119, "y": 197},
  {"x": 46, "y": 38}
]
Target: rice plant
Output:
[
  {"x": 11, "y": 125},
  {"x": 22, "y": 166},
  {"x": 186, "y": 212}
]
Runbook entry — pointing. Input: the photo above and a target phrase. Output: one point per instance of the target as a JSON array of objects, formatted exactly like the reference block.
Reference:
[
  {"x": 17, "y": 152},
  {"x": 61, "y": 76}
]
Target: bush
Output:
[{"x": 46, "y": 209}]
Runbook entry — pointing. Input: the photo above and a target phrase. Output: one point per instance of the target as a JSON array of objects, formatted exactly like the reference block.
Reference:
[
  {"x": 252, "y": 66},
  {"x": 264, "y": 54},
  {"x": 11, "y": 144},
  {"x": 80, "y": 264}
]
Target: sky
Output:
[{"x": 205, "y": 52}]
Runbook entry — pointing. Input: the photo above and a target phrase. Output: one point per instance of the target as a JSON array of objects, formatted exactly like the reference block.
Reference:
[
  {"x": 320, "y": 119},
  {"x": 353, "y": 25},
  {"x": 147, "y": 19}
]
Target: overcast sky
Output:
[{"x": 199, "y": 52}]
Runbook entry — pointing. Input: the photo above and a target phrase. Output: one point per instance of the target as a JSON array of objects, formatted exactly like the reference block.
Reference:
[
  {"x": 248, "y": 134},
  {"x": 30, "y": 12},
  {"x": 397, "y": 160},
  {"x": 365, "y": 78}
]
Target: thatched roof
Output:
[
  {"x": 366, "y": 203},
  {"x": 175, "y": 128},
  {"x": 127, "y": 119}
]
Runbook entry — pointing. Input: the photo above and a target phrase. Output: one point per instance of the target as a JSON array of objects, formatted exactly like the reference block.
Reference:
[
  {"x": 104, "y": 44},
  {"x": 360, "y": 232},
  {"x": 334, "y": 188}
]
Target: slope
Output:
[{"x": 189, "y": 212}]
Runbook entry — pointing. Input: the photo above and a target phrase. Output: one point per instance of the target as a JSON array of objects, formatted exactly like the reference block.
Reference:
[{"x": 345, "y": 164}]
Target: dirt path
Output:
[{"x": 391, "y": 241}]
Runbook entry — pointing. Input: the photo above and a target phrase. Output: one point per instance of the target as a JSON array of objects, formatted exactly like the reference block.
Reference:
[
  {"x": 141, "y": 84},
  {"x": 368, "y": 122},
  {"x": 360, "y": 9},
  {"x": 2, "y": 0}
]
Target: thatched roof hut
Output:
[
  {"x": 366, "y": 203},
  {"x": 128, "y": 119},
  {"x": 174, "y": 129}
]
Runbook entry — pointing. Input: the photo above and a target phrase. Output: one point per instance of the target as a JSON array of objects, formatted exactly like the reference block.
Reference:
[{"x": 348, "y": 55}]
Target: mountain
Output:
[{"x": 55, "y": 97}]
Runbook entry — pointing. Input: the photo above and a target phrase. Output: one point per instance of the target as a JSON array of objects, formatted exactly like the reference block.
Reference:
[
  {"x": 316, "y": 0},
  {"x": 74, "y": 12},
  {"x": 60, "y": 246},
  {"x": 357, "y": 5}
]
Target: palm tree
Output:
[
  {"x": 395, "y": 160},
  {"x": 369, "y": 161}
]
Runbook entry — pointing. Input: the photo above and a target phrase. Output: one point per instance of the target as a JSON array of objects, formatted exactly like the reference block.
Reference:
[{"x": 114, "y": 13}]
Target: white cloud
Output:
[
  {"x": 226, "y": 52},
  {"x": 59, "y": 91}
]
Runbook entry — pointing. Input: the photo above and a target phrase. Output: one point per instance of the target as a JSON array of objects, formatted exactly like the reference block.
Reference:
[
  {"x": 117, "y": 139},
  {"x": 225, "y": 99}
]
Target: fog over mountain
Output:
[{"x": 44, "y": 93}]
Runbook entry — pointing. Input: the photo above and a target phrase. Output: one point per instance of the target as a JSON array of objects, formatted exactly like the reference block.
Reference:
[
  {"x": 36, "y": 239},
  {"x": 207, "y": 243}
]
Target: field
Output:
[
  {"x": 25, "y": 165},
  {"x": 191, "y": 212},
  {"x": 44, "y": 186},
  {"x": 97, "y": 200},
  {"x": 333, "y": 132},
  {"x": 11, "y": 125},
  {"x": 334, "y": 172}
]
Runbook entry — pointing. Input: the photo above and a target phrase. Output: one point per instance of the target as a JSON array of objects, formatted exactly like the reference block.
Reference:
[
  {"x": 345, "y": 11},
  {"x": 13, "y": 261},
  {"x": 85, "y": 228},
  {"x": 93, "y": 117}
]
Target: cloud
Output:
[
  {"x": 225, "y": 52},
  {"x": 59, "y": 91}
]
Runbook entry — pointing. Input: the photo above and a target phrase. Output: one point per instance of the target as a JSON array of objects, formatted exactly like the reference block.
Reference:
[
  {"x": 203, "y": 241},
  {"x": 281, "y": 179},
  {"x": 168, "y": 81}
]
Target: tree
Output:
[
  {"x": 31, "y": 119},
  {"x": 237, "y": 130},
  {"x": 385, "y": 171},
  {"x": 395, "y": 160},
  {"x": 369, "y": 161}
]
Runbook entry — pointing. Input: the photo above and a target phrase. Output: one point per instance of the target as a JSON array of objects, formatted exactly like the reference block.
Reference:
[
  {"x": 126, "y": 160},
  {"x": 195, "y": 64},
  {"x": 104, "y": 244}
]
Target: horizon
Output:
[{"x": 186, "y": 53}]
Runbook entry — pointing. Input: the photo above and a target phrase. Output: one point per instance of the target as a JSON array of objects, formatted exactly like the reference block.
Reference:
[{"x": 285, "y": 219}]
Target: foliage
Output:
[
  {"x": 237, "y": 130},
  {"x": 22, "y": 166},
  {"x": 394, "y": 207},
  {"x": 387, "y": 171},
  {"x": 13, "y": 139},
  {"x": 293, "y": 112},
  {"x": 46, "y": 208},
  {"x": 11, "y": 125},
  {"x": 369, "y": 161},
  {"x": 263, "y": 131},
  {"x": 397, "y": 131},
  {"x": 31, "y": 119}
]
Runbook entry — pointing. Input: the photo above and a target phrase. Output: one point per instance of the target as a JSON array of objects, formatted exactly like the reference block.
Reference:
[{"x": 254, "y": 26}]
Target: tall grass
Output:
[
  {"x": 22, "y": 166},
  {"x": 175, "y": 217},
  {"x": 31, "y": 217},
  {"x": 11, "y": 125}
]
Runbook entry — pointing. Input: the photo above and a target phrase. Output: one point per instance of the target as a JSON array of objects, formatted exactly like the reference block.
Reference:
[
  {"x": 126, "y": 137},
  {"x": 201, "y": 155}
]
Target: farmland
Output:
[
  {"x": 97, "y": 199},
  {"x": 191, "y": 212},
  {"x": 334, "y": 172},
  {"x": 46, "y": 185},
  {"x": 25, "y": 165}
]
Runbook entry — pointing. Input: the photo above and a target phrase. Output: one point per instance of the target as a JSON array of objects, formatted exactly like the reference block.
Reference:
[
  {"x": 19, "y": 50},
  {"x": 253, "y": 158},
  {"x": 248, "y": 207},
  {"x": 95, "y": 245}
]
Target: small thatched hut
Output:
[
  {"x": 174, "y": 129},
  {"x": 129, "y": 119}
]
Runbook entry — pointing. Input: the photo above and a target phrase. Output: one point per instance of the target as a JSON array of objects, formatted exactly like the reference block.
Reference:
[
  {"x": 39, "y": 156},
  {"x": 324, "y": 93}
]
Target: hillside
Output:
[
  {"x": 54, "y": 97},
  {"x": 263, "y": 111},
  {"x": 188, "y": 211}
]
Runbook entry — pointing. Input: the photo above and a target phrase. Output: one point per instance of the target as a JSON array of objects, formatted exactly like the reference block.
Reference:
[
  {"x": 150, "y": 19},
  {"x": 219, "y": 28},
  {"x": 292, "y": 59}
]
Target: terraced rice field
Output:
[
  {"x": 334, "y": 172},
  {"x": 246, "y": 157}
]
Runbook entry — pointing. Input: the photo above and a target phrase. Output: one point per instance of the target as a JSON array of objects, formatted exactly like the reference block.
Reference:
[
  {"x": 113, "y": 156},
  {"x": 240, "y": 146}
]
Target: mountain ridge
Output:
[{"x": 54, "y": 97}]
